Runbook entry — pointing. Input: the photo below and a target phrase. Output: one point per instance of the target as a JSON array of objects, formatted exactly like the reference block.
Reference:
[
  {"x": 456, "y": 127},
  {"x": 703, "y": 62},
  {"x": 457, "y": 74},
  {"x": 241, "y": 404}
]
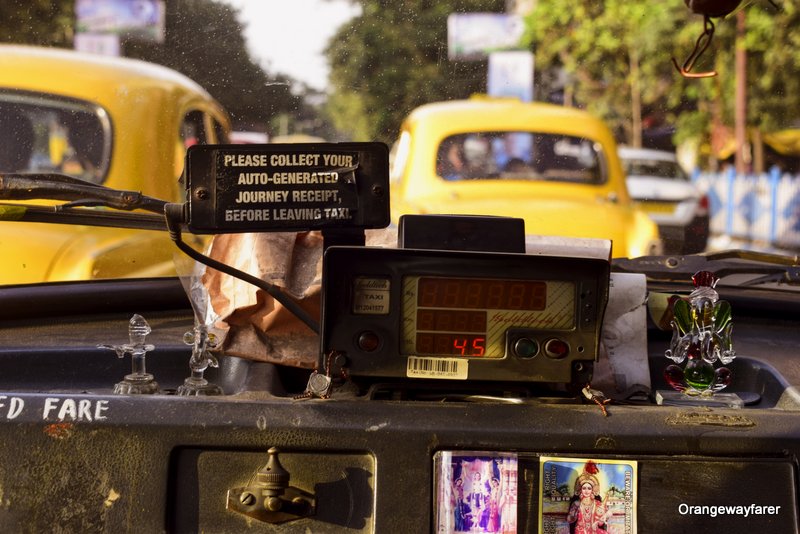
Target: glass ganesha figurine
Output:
[{"x": 701, "y": 338}]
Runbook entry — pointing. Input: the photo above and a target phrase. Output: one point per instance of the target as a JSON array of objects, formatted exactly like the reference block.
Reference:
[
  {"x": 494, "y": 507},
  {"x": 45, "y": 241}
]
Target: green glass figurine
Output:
[{"x": 701, "y": 337}]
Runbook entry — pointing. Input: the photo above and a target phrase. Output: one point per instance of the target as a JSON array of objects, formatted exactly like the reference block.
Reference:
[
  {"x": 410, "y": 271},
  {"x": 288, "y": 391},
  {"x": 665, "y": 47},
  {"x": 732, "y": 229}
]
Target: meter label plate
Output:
[
  {"x": 448, "y": 368},
  {"x": 287, "y": 187}
]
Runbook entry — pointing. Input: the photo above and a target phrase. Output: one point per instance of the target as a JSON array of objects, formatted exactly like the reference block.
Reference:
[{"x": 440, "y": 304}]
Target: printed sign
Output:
[
  {"x": 287, "y": 187},
  {"x": 476, "y": 492},
  {"x": 587, "y": 495}
]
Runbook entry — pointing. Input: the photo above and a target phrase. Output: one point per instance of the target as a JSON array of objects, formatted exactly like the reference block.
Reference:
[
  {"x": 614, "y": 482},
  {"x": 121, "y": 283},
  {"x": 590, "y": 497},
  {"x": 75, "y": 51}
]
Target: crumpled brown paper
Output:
[{"x": 252, "y": 324}]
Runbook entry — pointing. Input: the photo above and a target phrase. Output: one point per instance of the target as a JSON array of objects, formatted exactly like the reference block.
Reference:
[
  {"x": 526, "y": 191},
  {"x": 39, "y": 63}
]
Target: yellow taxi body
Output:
[
  {"x": 142, "y": 117},
  {"x": 572, "y": 202}
]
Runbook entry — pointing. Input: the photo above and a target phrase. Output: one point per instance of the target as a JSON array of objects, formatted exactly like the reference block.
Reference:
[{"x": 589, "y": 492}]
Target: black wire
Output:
[{"x": 271, "y": 289}]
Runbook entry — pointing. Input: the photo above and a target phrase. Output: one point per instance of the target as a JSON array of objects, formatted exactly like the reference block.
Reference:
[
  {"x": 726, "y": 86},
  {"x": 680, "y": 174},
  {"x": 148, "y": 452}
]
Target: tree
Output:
[
  {"x": 612, "y": 53},
  {"x": 617, "y": 55},
  {"x": 37, "y": 22},
  {"x": 204, "y": 41},
  {"x": 772, "y": 43},
  {"x": 393, "y": 58}
]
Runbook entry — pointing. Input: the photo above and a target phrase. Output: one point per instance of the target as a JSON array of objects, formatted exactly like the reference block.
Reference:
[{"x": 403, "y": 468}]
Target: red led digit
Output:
[
  {"x": 451, "y": 294},
  {"x": 427, "y": 292},
  {"x": 425, "y": 320},
  {"x": 442, "y": 344},
  {"x": 472, "y": 296},
  {"x": 516, "y": 296},
  {"x": 425, "y": 343},
  {"x": 494, "y": 300},
  {"x": 460, "y": 345},
  {"x": 477, "y": 346}
]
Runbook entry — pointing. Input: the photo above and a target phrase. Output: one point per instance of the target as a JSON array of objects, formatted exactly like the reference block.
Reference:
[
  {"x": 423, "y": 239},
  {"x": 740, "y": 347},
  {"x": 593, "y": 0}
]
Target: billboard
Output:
[
  {"x": 511, "y": 74},
  {"x": 139, "y": 19},
  {"x": 474, "y": 35}
]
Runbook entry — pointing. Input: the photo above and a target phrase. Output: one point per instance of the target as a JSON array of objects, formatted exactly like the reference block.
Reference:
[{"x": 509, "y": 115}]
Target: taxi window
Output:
[
  {"x": 519, "y": 156},
  {"x": 193, "y": 130},
  {"x": 656, "y": 168},
  {"x": 220, "y": 133},
  {"x": 41, "y": 134}
]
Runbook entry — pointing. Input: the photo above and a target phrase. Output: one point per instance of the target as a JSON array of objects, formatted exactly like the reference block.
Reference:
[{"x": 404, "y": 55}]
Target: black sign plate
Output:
[{"x": 287, "y": 187}]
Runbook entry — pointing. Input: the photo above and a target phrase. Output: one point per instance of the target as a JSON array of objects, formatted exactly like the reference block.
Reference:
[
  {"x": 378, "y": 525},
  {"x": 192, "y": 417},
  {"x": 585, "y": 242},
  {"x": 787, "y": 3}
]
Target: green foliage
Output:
[
  {"x": 392, "y": 58},
  {"x": 204, "y": 41},
  {"x": 37, "y": 22},
  {"x": 598, "y": 44}
]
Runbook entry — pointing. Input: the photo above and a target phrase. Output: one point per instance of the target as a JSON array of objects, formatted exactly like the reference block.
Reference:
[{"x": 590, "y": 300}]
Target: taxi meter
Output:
[{"x": 454, "y": 315}]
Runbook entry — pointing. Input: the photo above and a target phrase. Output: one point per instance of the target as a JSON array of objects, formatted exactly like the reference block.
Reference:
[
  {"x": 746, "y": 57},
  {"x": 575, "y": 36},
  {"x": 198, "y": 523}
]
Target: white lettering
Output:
[
  {"x": 72, "y": 410},
  {"x": 14, "y": 408},
  {"x": 99, "y": 409},
  {"x": 246, "y": 215},
  {"x": 337, "y": 160},
  {"x": 244, "y": 160},
  {"x": 253, "y": 178},
  {"x": 337, "y": 213},
  {"x": 84, "y": 409},
  {"x": 325, "y": 195},
  {"x": 288, "y": 178},
  {"x": 714, "y": 511},
  {"x": 68, "y": 408},
  {"x": 17, "y": 404},
  {"x": 49, "y": 405},
  {"x": 293, "y": 160},
  {"x": 248, "y": 197},
  {"x": 296, "y": 214}
]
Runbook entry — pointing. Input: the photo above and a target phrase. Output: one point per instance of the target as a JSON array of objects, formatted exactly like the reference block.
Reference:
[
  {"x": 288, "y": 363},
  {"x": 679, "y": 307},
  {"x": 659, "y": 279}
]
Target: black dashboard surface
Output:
[{"x": 77, "y": 458}]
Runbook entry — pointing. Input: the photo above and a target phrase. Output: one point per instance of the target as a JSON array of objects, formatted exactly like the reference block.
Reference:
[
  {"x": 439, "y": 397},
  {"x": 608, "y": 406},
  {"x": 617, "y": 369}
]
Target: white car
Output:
[{"x": 657, "y": 181}]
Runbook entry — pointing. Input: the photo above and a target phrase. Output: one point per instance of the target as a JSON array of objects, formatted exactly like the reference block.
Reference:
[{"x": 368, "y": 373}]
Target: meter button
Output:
[
  {"x": 556, "y": 348},
  {"x": 368, "y": 341},
  {"x": 526, "y": 347}
]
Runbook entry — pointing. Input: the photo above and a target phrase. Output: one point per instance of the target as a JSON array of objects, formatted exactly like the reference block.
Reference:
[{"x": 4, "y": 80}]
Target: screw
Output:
[
  {"x": 273, "y": 504},
  {"x": 201, "y": 193},
  {"x": 247, "y": 499},
  {"x": 377, "y": 190}
]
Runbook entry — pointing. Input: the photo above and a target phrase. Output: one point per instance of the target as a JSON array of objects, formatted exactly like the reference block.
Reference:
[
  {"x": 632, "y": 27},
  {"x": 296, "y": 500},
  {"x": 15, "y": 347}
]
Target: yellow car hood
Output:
[
  {"x": 544, "y": 212},
  {"x": 39, "y": 252}
]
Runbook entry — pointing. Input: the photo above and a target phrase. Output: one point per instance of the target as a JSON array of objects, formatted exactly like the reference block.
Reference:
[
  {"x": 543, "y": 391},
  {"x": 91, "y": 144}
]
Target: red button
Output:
[
  {"x": 368, "y": 341},
  {"x": 556, "y": 348}
]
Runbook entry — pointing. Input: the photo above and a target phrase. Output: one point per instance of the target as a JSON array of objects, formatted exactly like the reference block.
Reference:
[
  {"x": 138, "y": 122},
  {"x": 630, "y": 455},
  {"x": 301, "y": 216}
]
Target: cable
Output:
[{"x": 174, "y": 213}]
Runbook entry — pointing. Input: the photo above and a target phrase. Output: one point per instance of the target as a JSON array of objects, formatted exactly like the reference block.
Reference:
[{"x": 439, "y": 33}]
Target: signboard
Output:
[
  {"x": 511, "y": 74},
  {"x": 475, "y": 35},
  {"x": 287, "y": 187},
  {"x": 105, "y": 44},
  {"x": 141, "y": 19}
]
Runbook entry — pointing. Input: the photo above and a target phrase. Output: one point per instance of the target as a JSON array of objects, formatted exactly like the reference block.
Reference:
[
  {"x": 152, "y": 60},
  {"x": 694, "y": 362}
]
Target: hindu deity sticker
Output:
[
  {"x": 587, "y": 496},
  {"x": 475, "y": 492}
]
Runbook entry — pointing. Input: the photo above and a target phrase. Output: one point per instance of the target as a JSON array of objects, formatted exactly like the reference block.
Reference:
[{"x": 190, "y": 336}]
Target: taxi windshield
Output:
[
  {"x": 520, "y": 156},
  {"x": 487, "y": 107}
]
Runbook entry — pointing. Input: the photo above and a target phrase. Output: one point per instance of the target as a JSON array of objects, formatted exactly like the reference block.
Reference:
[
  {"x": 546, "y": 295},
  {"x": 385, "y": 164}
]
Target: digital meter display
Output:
[
  {"x": 429, "y": 314},
  {"x": 468, "y": 317}
]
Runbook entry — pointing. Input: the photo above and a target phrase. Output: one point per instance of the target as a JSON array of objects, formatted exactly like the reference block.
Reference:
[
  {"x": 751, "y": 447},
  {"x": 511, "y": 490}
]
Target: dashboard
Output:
[
  {"x": 455, "y": 388},
  {"x": 82, "y": 458}
]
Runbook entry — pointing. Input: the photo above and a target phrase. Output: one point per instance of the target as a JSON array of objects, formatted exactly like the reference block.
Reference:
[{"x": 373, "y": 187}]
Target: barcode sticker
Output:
[{"x": 437, "y": 368}]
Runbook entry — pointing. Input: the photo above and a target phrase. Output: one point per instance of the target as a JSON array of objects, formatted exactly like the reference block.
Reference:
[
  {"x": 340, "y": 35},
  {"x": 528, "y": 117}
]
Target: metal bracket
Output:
[{"x": 271, "y": 499}]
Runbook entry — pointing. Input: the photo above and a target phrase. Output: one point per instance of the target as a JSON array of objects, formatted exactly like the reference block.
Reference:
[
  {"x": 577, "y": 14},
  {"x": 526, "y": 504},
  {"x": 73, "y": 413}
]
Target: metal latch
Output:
[{"x": 270, "y": 498}]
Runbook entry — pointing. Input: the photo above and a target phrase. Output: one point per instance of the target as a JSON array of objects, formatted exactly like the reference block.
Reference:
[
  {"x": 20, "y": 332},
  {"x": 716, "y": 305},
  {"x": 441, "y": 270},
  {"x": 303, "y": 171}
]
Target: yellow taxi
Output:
[
  {"x": 555, "y": 167},
  {"x": 117, "y": 122}
]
